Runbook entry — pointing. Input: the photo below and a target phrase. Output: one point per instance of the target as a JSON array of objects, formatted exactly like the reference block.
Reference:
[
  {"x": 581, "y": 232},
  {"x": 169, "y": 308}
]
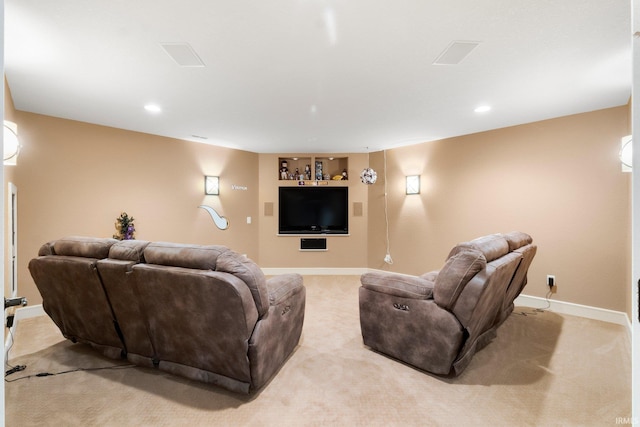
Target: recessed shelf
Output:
[{"x": 313, "y": 169}]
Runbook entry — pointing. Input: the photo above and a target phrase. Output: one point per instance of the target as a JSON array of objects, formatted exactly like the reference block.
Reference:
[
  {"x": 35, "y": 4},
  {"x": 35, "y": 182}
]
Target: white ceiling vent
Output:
[
  {"x": 455, "y": 53},
  {"x": 183, "y": 54}
]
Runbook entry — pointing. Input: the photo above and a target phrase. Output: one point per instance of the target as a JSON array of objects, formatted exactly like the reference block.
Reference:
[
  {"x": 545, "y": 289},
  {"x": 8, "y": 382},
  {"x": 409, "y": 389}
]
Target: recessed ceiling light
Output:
[
  {"x": 482, "y": 109},
  {"x": 153, "y": 108}
]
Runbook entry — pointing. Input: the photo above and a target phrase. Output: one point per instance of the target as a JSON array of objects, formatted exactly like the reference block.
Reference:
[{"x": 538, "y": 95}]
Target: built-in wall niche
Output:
[{"x": 314, "y": 168}]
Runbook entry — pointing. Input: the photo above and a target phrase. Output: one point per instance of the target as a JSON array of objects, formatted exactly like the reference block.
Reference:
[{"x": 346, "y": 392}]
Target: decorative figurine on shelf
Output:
[
  {"x": 124, "y": 227},
  {"x": 307, "y": 172},
  {"x": 344, "y": 175},
  {"x": 318, "y": 170},
  {"x": 297, "y": 175},
  {"x": 284, "y": 169}
]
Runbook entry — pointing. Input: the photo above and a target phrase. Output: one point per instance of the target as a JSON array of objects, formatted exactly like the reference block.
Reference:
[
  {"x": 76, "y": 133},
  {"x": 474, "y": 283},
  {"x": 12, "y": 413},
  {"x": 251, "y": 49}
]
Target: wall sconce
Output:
[
  {"x": 626, "y": 153},
  {"x": 413, "y": 184},
  {"x": 211, "y": 185},
  {"x": 11, "y": 144}
]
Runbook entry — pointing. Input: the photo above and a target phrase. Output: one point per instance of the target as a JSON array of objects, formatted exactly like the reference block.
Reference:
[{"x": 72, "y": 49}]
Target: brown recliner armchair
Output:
[{"x": 437, "y": 321}]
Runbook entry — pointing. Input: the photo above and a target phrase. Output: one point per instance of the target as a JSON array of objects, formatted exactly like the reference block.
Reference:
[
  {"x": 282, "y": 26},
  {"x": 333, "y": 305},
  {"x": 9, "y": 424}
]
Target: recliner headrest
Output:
[
  {"x": 183, "y": 255},
  {"x": 517, "y": 239},
  {"x": 129, "y": 250},
  {"x": 492, "y": 246},
  {"x": 87, "y": 247}
]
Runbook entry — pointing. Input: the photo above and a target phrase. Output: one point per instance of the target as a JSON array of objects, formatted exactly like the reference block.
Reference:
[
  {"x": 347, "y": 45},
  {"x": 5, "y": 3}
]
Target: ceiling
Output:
[{"x": 300, "y": 76}]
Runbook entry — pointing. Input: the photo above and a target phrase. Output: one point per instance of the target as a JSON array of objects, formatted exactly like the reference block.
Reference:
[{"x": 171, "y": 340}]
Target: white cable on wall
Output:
[{"x": 387, "y": 257}]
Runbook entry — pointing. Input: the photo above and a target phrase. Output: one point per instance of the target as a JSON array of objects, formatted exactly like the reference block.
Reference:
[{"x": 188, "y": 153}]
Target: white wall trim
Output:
[
  {"x": 19, "y": 314},
  {"x": 28, "y": 311},
  {"x": 579, "y": 310}
]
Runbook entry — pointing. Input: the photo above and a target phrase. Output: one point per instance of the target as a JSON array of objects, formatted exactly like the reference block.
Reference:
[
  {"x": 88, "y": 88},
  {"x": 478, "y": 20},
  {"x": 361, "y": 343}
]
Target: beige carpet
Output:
[{"x": 543, "y": 369}]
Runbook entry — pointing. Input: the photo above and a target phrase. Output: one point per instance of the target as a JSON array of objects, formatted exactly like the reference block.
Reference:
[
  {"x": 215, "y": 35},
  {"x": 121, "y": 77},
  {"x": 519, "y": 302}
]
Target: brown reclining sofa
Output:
[
  {"x": 437, "y": 321},
  {"x": 202, "y": 312}
]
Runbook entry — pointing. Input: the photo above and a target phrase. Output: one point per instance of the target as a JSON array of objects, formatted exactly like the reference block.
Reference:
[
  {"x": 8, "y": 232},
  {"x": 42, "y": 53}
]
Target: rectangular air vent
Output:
[
  {"x": 455, "y": 53},
  {"x": 183, "y": 54}
]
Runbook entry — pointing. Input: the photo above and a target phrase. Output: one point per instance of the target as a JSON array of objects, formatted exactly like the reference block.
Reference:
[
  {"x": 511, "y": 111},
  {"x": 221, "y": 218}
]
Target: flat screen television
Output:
[{"x": 313, "y": 210}]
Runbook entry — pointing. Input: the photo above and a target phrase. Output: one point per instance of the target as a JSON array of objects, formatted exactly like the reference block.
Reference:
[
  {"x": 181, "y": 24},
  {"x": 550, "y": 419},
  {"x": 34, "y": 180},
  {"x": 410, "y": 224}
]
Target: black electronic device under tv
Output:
[{"x": 313, "y": 210}]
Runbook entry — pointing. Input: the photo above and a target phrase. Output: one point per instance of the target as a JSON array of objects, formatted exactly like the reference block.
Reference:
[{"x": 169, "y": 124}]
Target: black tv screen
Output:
[{"x": 313, "y": 210}]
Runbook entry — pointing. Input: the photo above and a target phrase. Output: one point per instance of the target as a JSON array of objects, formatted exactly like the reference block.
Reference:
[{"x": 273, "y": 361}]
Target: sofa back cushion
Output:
[
  {"x": 87, "y": 247},
  {"x": 129, "y": 250},
  {"x": 455, "y": 274},
  {"x": 74, "y": 298},
  {"x": 182, "y": 255},
  {"x": 492, "y": 246},
  {"x": 517, "y": 239},
  {"x": 247, "y": 270},
  {"x": 197, "y": 318}
]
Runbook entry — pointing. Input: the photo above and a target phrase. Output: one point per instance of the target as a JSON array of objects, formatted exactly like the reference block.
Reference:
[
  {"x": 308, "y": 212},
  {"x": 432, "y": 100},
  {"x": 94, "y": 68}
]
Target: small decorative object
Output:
[
  {"x": 318, "y": 170},
  {"x": 307, "y": 172},
  {"x": 221, "y": 222},
  {"x": 124, "y": 227},
  {"x": 368, "y": 176},
  {"x": 284, "y": 170},
  {"x": 344, "y": 175}
]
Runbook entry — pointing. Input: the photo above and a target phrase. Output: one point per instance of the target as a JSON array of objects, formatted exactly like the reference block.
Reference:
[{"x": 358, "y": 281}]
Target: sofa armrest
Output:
[
  {"x": 401, "y": 285},
  {"x": 282, "y": 286}
]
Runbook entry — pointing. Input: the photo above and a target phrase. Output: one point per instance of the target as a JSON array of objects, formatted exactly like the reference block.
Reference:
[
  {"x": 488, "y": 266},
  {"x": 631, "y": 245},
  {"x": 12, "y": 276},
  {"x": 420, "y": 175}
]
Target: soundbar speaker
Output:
[{"x": 313, "y": 244}]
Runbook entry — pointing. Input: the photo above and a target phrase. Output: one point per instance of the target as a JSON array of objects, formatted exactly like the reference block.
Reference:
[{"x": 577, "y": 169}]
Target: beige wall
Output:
[
  {"x": 75, "y": 178},
  {"x": 558, "y": 180}
]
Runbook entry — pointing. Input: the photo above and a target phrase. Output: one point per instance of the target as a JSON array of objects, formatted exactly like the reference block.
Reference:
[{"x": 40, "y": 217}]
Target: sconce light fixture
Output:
[
  {"x": 211, "y": 185},
  {"x": 626, "y": 153},
  {"x": 10, "y": 142},
  {"x": 413, "y": 184}
]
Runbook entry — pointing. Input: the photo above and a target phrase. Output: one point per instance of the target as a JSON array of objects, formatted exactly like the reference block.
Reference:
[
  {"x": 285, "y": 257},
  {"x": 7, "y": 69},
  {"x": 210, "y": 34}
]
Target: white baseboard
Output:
[
  {"x": 579, "y": 310},
  {"x": 19, "y": 314},
  {"x": 29, "y": 311}
]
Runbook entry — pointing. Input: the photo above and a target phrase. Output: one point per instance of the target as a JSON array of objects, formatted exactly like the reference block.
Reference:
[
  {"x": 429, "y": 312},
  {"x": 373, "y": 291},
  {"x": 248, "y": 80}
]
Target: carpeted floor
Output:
[{"x": 543, "y": 369}]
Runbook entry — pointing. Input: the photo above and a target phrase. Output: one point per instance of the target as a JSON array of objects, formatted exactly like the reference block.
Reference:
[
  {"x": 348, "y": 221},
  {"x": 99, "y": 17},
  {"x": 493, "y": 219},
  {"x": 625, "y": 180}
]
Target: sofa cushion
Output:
[
  {"x": 455, "y": 274},
  {"x": 182, "y": 255},
  {"x": 517, "y": 239},
  {"x": 46, "y": 249},
  {"x": 493, "y": 246},
  {"x": 129, "y": 250},
  {"x": 87, "y": 247},
  {"x": 247, "y": 270}
]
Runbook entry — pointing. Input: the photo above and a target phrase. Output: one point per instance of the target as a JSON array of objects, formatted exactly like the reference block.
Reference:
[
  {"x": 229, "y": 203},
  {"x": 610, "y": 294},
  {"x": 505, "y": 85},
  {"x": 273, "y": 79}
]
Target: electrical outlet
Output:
[{"x": 551, "y": 283}]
